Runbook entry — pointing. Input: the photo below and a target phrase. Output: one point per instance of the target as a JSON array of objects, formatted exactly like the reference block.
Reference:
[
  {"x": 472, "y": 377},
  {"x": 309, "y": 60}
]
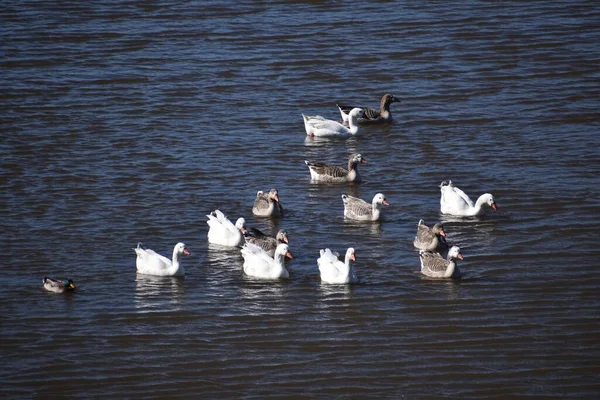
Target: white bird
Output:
[
  {"x": 267, "y": 205},
  {"x": 223, "y": 232},
  {"x": 371, "y": 115},
  {"x": 57, "y": 285},
  {"x": 149, "y": 262},
  {"x": 333, "y": 270},
  {"x": 321, "y": 172},
  {"x": 431, "y": 239},
  {"x": 435, "y": 266},
  {"x": 321, "y": 127},
  {"x": 358, "y": 209},
  {"x": 258, "y": 264},
  {"x": 454, "y": 201}
]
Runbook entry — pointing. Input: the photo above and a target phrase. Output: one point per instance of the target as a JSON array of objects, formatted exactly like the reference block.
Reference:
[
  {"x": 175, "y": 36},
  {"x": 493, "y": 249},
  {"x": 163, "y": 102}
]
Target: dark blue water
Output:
[{"x": 128, "y": 122}]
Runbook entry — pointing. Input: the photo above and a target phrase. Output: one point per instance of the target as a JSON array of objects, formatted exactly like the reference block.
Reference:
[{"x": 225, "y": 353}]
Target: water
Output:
[{"x": 127, "y": 122}]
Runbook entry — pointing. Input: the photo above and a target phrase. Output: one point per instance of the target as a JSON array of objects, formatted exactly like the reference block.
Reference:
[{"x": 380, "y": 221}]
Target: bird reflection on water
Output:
[{"x": 158, "y": 293}]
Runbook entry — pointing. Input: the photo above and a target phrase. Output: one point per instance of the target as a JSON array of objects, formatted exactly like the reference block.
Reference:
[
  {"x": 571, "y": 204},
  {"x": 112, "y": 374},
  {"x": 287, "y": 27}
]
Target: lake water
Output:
[{"x": 127, "y": 121}]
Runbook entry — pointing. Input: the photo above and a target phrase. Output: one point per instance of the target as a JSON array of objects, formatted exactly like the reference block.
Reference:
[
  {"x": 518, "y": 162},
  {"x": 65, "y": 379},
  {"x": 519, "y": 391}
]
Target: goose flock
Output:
[{"x": 264, "y": 256}]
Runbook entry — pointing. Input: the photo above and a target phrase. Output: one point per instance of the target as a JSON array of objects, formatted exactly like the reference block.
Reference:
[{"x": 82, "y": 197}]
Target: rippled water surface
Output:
[{"x": 127, "y": 121}]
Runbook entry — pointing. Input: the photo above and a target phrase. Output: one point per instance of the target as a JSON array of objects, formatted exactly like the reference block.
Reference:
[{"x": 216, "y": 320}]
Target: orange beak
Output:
[
  {"x": 352, "y": 257},
  {"x": 442, "y": 233},
  {"x": 459, "y": 256},
  {"x": 385, "y": 203},
  {"x": 494, "y": 206},
  {"x": 285, "y": 239},
  {"x": 363, "y": 161},
  {"x": 276, "y": 198},
  {"x": 186, "y": 251},
  {"x": 289, "y": 254}
]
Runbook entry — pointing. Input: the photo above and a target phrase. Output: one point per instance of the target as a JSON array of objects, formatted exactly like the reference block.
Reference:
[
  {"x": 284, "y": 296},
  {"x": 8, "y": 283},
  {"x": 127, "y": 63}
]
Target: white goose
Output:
[
  {"x": 258, "y": 264},
  {"x": 358, "y": 209},
  {"x": 321, "y": 172},
  {"x": 333, "y": 270},
  {"x": 149, "y": 262},
  {"x": 223, "y": 232},
  {"x": 321, "y": 127},
  {"x": 454, "y": 201},
  {"x": 435, "y": 266}
]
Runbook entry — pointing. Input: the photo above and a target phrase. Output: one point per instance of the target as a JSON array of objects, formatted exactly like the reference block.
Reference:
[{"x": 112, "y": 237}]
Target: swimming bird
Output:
[
  {"x": 333, "y": 270},
  {"x": 431, "y": 239},
  {"x": 371, "y": 115},
  {"x": 322, "y": 172},
  {"x": 265, "y": 242},
  {"x": 358, "y": 209},
  {"x": 322, "y": 127},
  {"x": 435, "y": 266},
  {"x": 267, "y": 205},
  {"x": 454, "y": 201},
  {"x": 258, "y": 264},
  {"x": 149, "y": 262},
  {"x": 223, "y": 232},
  {"x": 57, "y": 285}
]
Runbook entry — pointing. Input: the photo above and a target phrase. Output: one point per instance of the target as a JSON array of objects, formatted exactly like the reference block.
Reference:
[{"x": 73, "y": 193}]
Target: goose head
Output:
[
  {"x": 274, "y": 194},
  {"x": 489, "y": 200},
  {"x": 181, "y": 249},
  {"x": 389, "y": 98},
  {"x": 350, "y": 254},
  {"x": 241, "y": 225},
  {"x": 356, "y": 113},
  {"x": 438, "y": 229},
  {"x": 283, "y": 250},
  {"x": 454, "y": 253},
  {"x": 380, "y": 199},
  {"x": 357, "y": 159},
  {"x": 282, "y": 236}
]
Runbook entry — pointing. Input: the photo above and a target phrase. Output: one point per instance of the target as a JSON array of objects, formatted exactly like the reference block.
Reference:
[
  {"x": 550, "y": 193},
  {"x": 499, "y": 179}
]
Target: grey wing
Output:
[
  {"x": 261, "y": 203},
  {"x": 266, "y": 243},
  {"x": 329, "y": 170},
  {"x": 371, "y": 113},
  {"x": 358, "y": 206},
  {"x": 424, "y": 235},
  {"x": 434, "y": 261}
]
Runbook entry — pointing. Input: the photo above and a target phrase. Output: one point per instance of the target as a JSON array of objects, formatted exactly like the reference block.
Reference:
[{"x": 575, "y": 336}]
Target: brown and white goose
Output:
[
  {"x": 267, "y": 205},
  {"x": 431, "y": 239},
  {"x": 371, "y": 115},
  {"x": 435, "y": 266},
  {"x": 265, "y": 242},
  {"x": 322, "y": 172},
  {"x": 360, "y": 210}
]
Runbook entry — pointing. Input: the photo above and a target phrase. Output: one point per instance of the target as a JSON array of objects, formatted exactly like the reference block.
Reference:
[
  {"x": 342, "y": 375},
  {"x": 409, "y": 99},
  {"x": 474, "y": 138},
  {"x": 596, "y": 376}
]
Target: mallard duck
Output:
[
  {"x": 321, "y": 127},
  {"x": 333, "y": 270},
  {"x": 435, "y": 266},
  {"x": 149, "y": 262},
  {"x": 57, "y": 285},
  {"x": 223, "y": 232},
  {"x": 267, "y": 205},
  {"x": 454, "y": 201},
  {"x": 265, "y": 242},
  {"x": 371, "y": 115},
  {"x": 358, "y": 209},
  {"x": 258, "y": 264},
  {"x": 322, "y": 172}
]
